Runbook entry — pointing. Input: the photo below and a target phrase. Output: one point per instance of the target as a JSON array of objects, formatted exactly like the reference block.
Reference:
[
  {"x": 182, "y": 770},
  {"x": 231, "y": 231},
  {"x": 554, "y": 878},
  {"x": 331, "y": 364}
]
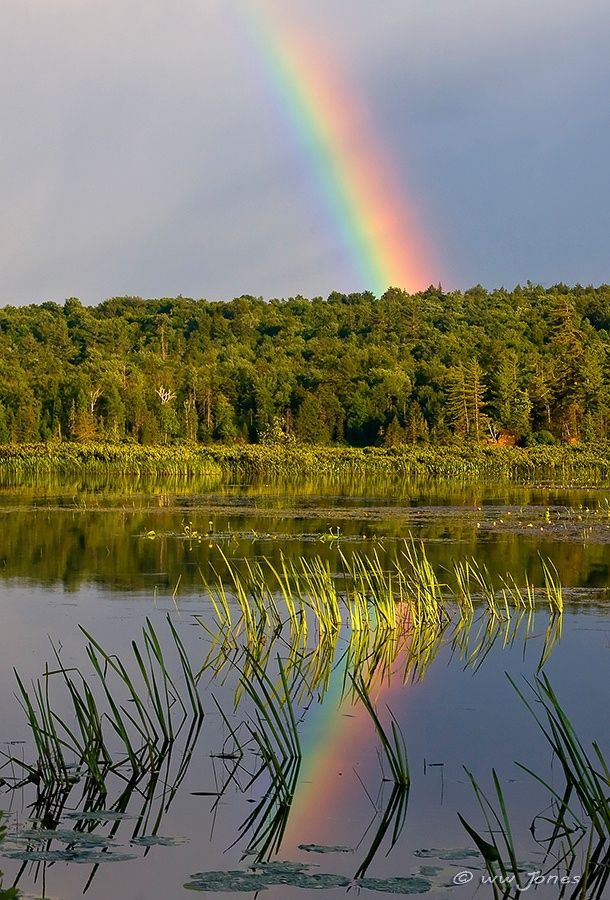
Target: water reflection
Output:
[
  {"x": 228, "y": 787},
  {"x": 144, "y": 535}
]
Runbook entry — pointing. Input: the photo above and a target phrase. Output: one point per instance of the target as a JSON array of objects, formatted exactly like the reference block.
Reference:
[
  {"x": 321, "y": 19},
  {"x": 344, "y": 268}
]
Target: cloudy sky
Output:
[{"x": 145, "y": 149}]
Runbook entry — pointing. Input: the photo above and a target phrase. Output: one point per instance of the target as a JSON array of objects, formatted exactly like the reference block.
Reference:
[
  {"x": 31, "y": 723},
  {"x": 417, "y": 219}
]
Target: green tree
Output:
[
  {"x": 466, "y": 398},
  {"x": 4, "y": 430},
  {"x": 310, "y": 425}
]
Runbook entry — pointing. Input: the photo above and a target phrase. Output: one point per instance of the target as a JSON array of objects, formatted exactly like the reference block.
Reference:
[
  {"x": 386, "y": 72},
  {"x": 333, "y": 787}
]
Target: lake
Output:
[{"x": 285, "y": 781}]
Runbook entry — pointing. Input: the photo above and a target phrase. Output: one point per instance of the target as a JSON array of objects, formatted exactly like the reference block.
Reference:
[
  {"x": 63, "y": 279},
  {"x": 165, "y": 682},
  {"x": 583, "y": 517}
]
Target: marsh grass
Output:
[
  {"x": 123, "y": 721},
  {"x": 139, "y": 804},
  {"x": 552, "y": 584},
  {"x": 574, "y": 831},
  {"x": 565, "y": 463},
  {"x": 392, "y": 742},
  {"x": 420, "y": 586},
  {"x": 391, "y": 821},
  {"x": 273, "y": 728},
  {"x": 587, "y": 777},
  {"x": 258, "y": 600}
]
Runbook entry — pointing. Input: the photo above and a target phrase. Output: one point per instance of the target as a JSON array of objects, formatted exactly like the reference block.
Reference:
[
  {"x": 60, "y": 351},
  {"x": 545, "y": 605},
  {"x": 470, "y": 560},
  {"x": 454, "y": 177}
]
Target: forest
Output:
[{"x": 528, "y": 366}]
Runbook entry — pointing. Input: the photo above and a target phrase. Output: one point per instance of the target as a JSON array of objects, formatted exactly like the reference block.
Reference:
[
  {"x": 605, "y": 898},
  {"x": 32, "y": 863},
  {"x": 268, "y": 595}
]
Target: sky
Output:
[{"x": 150, "y": 148}]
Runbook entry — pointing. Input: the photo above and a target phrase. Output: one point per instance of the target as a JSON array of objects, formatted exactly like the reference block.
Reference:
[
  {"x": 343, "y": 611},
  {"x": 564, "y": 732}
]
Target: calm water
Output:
[{"x": 106, "y": 556}]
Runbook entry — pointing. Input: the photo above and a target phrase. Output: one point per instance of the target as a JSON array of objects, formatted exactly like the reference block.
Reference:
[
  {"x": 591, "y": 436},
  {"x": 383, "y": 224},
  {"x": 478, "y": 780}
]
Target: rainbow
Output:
[
  {"x": 338, "y": 735},
  {"x": 378, "y": 226}
]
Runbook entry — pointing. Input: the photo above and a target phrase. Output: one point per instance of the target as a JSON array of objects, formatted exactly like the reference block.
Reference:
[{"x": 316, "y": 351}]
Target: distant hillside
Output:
[{"x": 530, "y": 365}]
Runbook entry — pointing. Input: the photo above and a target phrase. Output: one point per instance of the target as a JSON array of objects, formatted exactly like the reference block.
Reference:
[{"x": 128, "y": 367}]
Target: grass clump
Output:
[
  {"x": 574, "y": 830},
  {"x": 392, "y": 742},
  {"x": 563, "y": 463},
  {"x": 260, "y": 599},
  {"x": 117, "y": 720}
]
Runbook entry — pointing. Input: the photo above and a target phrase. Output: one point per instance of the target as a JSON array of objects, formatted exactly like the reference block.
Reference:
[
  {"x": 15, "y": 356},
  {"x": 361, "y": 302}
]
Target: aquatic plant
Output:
[
  {"x": 588, "y": 779},
  {"x": 159, "y": 708},
  {"x": 423, "y": 589},
  {"x": 71, "y": 816},
  {"x": 132, "y": 459},
  {"x": 578, "y": 815},
  {"x": 274, "y": 730},
  {"x": 260, "y": 598},
  {"x": 392, "y": 821},
  {"x": 393, "y": 742},
  {"x": 554, "y": 591},
  {"x": 467, "y": 463},
  {"x": 277, "y": 733},
  {"x": 6, "y": 893}
]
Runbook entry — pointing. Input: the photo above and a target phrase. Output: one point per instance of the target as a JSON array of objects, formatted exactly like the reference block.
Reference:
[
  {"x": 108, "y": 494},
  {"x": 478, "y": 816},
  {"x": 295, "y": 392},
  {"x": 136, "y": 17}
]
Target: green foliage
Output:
[
  {"x": 538, "y": 439},
  {"x": 352, "y": 368},
  {"x": 288, "y": 458},
  {"x": 393, "y": 744},
  {"x": 144, "y": 713}
]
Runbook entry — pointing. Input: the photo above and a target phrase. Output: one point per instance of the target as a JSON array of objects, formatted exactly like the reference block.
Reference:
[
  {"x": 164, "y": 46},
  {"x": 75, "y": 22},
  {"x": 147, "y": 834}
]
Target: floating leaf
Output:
[
  {"x": 265, "y": 875},
  {"x": 412, "y": 884},
  {"x": 157, "y": 840},
  {"x": 315, "y": 882},
  {"x": 280, "y": 868},
  {"x": 446, "y": 854},
  {"x": 75, "y": 856},
  {"x": 430, "y": 871},
  {"x": 63, "y": 835},
  {"x": 99, "y": 815},
  {"x": 319, "y": 848},
  {"x": 225, "y": 882}
]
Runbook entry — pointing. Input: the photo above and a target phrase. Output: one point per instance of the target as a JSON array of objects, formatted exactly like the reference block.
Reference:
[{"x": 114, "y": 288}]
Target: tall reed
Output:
[
  {"x": 393, "y": 743},
  {"x": 144, "y": 717},
  {"x": 578, "y": 814}
]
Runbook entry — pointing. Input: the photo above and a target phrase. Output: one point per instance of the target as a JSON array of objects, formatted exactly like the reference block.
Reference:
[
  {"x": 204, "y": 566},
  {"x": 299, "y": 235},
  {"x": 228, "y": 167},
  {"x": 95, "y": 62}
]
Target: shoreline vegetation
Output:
[
  {"x": 528, "y": 367},
  {"x": 585, "y": 463}
]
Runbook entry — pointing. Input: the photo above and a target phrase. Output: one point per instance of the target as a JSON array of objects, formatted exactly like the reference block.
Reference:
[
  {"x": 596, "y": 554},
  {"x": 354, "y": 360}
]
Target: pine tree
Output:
[{"x": 466, "y": 399}]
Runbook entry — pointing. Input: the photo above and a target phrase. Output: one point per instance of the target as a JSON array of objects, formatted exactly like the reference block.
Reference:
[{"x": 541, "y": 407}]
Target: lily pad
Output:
[
  {"x": 226, "y": 882},
  {"x": 157, "y": 840},
  {"x": 412, "y": 884},
  {"x": 273, "y": 869},
  {"x": 265, "y": 875},
  {"x": 320, "y": 848},
  {"x": 64, "y": 836},
  {"x": 430, "y": 871},
  {"x": 319, "y": 882},
  {"x": 297, "y": 875},
  {"x": 447, "y": 854},
  {"x": 75, "y": 856}
]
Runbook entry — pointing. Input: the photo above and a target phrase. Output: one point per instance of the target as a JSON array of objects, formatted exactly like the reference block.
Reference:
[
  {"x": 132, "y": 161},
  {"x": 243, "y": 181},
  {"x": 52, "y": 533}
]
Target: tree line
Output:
[{"x": 528, "y": 365}]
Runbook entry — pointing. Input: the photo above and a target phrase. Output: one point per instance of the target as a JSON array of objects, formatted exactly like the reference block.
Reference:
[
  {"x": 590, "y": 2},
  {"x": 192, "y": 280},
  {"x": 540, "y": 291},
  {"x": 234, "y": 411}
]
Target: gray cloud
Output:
[{"x": 144, "y": 152}]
